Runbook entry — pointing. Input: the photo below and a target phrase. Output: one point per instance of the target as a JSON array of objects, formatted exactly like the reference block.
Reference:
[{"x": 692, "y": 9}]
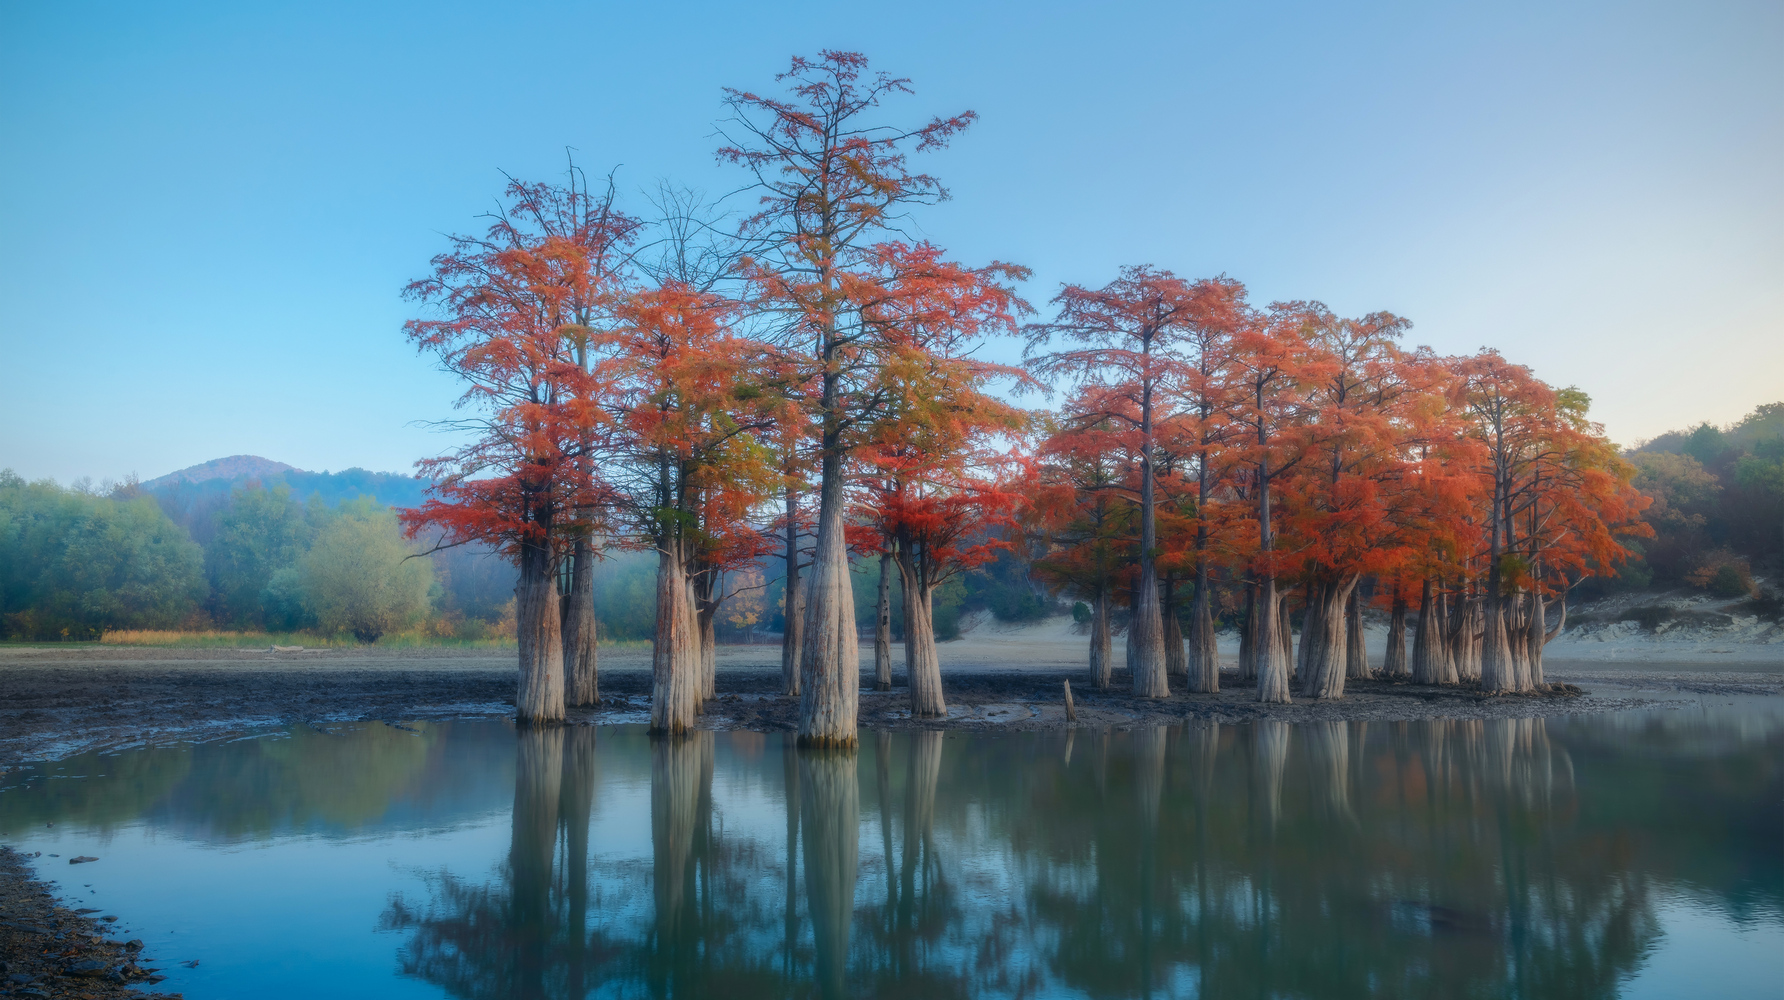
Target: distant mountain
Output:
[
  {"x": 231, "y": 468},
  {"x": 192, "y": 497}
]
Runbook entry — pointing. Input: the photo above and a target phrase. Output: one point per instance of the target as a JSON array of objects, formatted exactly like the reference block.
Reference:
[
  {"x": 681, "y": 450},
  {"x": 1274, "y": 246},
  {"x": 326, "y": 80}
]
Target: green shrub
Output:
[
  {"x": 358, "y": 576},
  {"x": 1729, "y": 581}
]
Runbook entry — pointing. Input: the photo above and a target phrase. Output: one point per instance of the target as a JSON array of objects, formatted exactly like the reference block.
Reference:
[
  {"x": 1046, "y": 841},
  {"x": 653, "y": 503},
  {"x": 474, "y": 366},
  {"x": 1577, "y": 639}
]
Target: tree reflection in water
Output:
[{"x": 1329, "y": 860}]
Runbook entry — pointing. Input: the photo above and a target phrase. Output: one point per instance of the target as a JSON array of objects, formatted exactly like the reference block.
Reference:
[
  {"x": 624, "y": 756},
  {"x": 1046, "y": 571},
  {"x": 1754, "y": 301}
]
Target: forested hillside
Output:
[{"x": 1718, "y": 511}]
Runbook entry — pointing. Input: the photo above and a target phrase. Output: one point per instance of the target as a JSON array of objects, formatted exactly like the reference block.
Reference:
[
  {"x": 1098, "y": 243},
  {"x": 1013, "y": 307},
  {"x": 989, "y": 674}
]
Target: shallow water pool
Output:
[{"x": 1634, "y": 855}]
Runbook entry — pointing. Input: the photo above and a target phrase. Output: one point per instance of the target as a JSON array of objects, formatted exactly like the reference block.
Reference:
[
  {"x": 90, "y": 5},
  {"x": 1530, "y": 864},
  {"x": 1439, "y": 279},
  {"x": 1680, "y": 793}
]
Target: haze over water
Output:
[{"x": 1625, "y": 855}]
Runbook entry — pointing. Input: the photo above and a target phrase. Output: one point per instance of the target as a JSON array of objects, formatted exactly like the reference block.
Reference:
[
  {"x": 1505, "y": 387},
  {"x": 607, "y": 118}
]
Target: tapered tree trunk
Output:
[
  {"x": 1472, "y": 639},
  {"x": 1393, "y": 661},
  {"x": 793, "y": 635},
  {"x": 1127, "y": 634},
  {"x": 882, "y": 628},
  {"x": 1325, "y": 666},
  {"x": 1427, "y": 639},
  {"x": 674, "y": 647},
  {"x": 925, "y": 669},
  {"x": 1203, "y": 667},
  {"x": 1272, "y": 667},
  {"x": 539, "y": 698},
  {"x": 1176, "y": 662},
  {"x": 1448, "y": 668},
  {"x": 581, "y": 681},
  {"x": 830, "y": 660},
  {"x": 1148, "y": 626},
  {"x": 831, "y": 806},
  {"x": 1356, "y": 653},
  {"x": 1102, "y": 652},
  {"x": 1543, "y": 638},
  {"x": 1285, "y": 640},
  {"x": 706, "y": 611},
  {"x": 709, "y": 654},
  {"x": 1312, "y": 633},
  {"x": 1249, "y": 635}
]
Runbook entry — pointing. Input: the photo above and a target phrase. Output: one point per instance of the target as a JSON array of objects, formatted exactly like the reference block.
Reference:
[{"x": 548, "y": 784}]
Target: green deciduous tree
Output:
[{"x": 360, "y": 576}]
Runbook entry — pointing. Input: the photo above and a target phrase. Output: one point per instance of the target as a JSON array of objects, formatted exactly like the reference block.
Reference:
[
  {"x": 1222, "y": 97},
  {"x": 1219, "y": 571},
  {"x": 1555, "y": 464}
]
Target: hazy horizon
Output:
[{"x": 209, "y": 212}]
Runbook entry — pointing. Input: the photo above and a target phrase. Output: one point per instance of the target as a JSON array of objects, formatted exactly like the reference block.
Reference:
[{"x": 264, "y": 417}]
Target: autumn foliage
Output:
[{"x": 800, "y": 383}]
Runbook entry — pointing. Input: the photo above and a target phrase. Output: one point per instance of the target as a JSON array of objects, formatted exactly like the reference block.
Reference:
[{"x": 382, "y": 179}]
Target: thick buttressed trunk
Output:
[
  {"x": 1272, "y": 666},
  {"x": 582, "y": 685},
  {"x": 923, "y": 663},
  {"x": 1471, "y": 639},
  {"x": 1149, "y": 638},
  {"x": 1325, "y": 664},
  {"x": 882, "y": 628},
  {"x": 1393, "y": 662},
  {"x": 1427, "y": 639},
  {"x": 1102, "y": 649},
  {"x": 1517, "y": 612},
  {"x": 1497, "y": 671},
  {"x": 793, "y": 601},
  {"x": 1356, "y": 654},
  {"x": 675, "y": 647},
  {"x": 539, "y": 700},
  {"x": 831, "y": 800},
  {"x": 1176, "y": 663},
  {"x": 1203, "y": 666},
  {"x": 1448, "y": 670},
  {"x": 830, "y": 659}
]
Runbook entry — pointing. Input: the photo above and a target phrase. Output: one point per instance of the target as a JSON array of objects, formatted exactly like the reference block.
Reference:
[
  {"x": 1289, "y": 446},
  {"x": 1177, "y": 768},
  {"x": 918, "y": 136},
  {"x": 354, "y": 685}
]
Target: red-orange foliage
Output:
[{"x": 517, "y": 305}]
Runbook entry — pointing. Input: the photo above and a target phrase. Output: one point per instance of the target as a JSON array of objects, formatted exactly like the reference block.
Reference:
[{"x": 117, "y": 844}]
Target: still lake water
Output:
[{"x": 1634, "y": 855}]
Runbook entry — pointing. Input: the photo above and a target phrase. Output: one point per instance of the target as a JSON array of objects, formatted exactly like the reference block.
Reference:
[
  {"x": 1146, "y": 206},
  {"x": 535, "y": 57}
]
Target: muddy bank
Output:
[
  {"x": 48, "y": 950},
  {"x": 56, "y": 702}
]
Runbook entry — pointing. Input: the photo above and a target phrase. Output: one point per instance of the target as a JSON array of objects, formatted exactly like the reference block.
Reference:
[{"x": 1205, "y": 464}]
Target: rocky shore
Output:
[{"x": 48, "y": 950}]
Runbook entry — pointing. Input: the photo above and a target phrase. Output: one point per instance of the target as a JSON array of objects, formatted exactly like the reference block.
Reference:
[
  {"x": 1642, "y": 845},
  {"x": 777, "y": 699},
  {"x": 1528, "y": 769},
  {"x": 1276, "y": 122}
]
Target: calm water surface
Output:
[{"x": 1634, "y": 855}]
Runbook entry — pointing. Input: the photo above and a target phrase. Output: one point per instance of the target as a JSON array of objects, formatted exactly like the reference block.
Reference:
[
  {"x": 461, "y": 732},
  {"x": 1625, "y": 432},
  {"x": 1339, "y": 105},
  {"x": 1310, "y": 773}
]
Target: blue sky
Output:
[{"x": 207, "y": 210}]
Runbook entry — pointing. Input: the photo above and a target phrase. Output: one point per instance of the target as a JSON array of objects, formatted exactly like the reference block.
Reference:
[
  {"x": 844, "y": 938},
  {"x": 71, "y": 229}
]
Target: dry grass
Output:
[{"x": 213, "y": 638}]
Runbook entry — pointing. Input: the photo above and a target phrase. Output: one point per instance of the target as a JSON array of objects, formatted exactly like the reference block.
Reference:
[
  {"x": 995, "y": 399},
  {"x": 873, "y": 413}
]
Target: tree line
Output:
[
  {"x": 76, "y": 562},
  {"x": 1718, "y": 512},
  {"x": 801, "y": 384}
]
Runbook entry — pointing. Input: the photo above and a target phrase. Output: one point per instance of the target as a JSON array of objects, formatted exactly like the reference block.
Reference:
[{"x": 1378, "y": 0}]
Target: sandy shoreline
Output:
[{"x": 55, "y": 702}]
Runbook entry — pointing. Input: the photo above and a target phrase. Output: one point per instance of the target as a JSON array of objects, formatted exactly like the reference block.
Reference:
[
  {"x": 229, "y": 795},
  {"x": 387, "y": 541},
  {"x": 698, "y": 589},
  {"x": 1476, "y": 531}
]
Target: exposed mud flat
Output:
[{"x": 57, "y": 702}]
